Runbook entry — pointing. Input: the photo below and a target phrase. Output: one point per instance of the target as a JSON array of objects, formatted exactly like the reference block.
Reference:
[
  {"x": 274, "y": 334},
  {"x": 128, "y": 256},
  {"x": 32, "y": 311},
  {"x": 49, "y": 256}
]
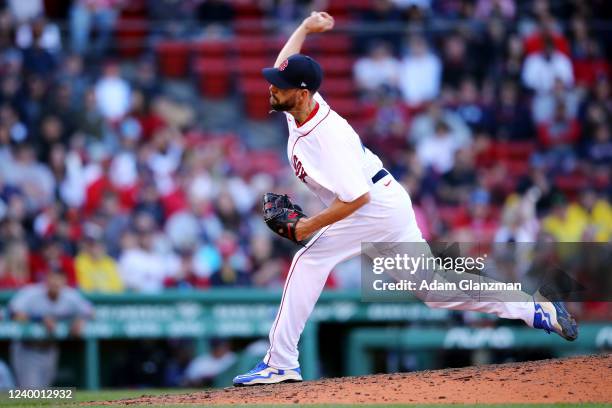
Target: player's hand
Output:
[
  {"x": 318, "y": 22},
  {"x": 301, "y": 229}
]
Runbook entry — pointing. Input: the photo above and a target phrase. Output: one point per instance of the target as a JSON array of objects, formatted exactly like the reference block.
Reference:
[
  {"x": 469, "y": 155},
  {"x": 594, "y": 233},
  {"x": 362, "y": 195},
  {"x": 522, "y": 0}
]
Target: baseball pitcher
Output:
[{"x": 364, "y": 204}]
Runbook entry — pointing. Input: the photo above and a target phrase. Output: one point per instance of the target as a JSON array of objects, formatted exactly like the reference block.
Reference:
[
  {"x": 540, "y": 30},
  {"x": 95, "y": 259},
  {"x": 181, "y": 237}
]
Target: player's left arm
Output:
[{"x": 337, "y": 211}]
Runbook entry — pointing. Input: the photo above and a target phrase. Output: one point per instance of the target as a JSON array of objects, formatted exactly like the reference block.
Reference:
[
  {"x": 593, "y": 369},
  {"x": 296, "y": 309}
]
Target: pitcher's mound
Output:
[{"x": 569, "y": 380}]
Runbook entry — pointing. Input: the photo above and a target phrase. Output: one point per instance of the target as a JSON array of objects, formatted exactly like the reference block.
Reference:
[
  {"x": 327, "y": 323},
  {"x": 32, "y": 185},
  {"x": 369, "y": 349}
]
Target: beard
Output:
[{"x": 278, "y": 106}]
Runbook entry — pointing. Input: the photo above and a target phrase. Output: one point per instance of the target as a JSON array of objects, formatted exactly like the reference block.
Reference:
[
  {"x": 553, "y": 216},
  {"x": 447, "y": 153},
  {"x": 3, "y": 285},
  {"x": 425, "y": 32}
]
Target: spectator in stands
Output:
[
  {"x": 421, "y": 72},
  {"x": 599, "y": 150},
  {"x": 424, "y": 124},
  {"x": 378, "y": 68},
  {"x": 488, "y": 9},
  {"x": 14, "y": 267},
  {"x": 217, "y": 15},
  {"x": 142, "y": 267},
  {"x": 543, "y": 105},
  {"x": 35, "y": 361},
  {"x": 457, "y": 183},
  {"x": 96, "y": 271},
  {"x": 86, "y": 15},
  {"x": 31, "y": 177},
  {"x": 45, "y": 34},
  {"x": 437, "y": 151},
  {"x": 518, "y": 219},
  {"x": 566, "y": 222},
  {"x": 112, "y": 93},
  {"x": 512, "y": 117},
  {"x": 472, "y": 109},
  {"x": 381, "y": 12},
  {"x": 541, "y": 69},
  {"x": 457, "y": 64},
  {"x": 558, "y": 136},
  {"x": 51, "y": 258}
]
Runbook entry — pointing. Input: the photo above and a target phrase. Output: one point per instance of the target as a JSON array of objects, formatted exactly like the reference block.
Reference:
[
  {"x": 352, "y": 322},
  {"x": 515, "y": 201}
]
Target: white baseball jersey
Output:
[{"x": 328, "y": 156}]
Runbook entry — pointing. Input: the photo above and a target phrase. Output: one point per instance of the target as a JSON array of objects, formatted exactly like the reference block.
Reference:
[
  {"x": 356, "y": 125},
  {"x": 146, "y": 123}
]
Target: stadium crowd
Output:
[{"x": 496, "y": 118}]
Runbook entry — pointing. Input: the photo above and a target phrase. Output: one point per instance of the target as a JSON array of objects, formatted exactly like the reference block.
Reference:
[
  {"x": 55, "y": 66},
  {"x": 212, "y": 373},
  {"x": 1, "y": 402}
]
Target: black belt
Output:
[{"x": 378, "y": 176}]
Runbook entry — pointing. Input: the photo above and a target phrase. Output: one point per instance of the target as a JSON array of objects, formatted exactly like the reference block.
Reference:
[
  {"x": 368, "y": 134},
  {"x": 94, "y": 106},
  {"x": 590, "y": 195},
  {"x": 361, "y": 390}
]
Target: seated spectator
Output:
[
  {"x": 112, "y": 93},
  {"x": 457, "y": 183},
  {"x": 96, "y": 271},
  {"x": 40, "y": 31},
  {"x": 437, "y": 151},
  {"x": 35, "y": 362},
  {"x": 566, "y": 222},
  {"x": 88, "y": 14},
  {"x": 512, "y": 117},
  {"x": 519, "y": 223},
  {"x": 542, "y": 68},
  {"x": 472, "y": 109},
  {"x": 543, "y": 105},
  {"x": 14, "y": 266},
  {"x": 598, "y": 214},
  {"x": 381, "y": 12},
  {"x": 488, "y": 9},
  {"x": 599, "y": 151},
  {"x": 233, "y": 271},
  {"x": 51, "y": 257},
  {"x": 424, "y": 124},
  {"x": 378, "y": 68},
  {"x": 560, "y": 130},
  {"x": 457, "y": 64},
  {"x": 420, "y": 73},
  {"x": 142, "y": 268}
]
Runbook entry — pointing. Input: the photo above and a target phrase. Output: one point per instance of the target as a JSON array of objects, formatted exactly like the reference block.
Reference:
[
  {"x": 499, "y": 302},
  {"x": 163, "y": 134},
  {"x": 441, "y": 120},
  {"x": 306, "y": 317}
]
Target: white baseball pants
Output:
[{"x": 388, "y": 217}]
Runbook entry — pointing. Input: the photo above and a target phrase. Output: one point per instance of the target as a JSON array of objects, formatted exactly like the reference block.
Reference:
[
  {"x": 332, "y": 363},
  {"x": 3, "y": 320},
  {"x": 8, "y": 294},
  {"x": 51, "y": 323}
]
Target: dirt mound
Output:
[{"x": 569, "y": 380}]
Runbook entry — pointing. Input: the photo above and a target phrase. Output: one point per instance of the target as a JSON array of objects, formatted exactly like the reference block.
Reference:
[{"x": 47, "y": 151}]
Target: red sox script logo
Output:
[
  {"x": 283, "y": 65},
  {"x": 299, "y": 169}
]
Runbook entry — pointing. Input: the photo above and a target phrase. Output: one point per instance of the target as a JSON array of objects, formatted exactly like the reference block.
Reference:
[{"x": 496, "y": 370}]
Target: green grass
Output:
[{"x": 109, "y": 395}]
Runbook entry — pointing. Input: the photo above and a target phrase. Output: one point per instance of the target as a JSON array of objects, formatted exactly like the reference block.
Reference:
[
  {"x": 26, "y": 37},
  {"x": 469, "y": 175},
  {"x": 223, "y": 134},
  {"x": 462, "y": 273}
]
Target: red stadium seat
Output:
[
  {"x": 212, "y": 48},
  {"x": 338, "y": 87},
  {"x": 349, "y": 108},
  {"x": 256, "y": 98},
  {"x": 253, "y": 46},
  {"x": 215, "y": 77},
  {"x": 131, "y": 34},
  {"x": 251, "y": 67},
  {"x": 173, "y": 58},
  {"x": 335, "y": 45},
  {"x": 338, "y": 67}
]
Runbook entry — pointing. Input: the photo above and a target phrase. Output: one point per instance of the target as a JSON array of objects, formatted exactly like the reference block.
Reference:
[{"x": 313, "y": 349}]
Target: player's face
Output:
[{"x": 283, "y": 99}]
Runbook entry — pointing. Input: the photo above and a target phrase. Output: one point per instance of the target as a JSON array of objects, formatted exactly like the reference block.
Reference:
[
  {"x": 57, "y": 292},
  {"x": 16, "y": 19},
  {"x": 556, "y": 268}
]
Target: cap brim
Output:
[{"x": 273, "y": 76}]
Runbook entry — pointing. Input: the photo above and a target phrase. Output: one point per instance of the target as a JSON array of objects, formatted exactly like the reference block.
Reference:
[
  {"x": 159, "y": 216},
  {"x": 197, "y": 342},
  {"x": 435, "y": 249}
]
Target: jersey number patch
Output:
[{"x": 299, "y": 169}]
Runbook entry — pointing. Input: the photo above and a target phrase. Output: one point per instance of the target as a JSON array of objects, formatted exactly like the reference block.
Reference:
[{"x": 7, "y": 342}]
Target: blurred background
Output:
[{"x": 136, "y": 141}]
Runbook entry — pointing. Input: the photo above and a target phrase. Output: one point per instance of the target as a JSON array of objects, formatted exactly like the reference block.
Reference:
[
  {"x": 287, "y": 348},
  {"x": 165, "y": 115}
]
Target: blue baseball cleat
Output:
[
  {"x": 264, "y": 374},
  {"x": 553, "y": 316}
]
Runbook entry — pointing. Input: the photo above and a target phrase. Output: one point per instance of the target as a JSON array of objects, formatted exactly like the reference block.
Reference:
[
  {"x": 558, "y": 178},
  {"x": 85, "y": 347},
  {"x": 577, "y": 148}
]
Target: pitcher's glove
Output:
[{"x": 281, "y": 215}]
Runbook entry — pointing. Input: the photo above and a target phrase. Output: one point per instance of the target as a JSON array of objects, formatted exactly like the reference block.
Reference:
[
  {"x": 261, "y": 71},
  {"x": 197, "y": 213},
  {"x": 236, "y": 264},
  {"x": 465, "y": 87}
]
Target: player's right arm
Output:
[{"x": 317, "y": 22}]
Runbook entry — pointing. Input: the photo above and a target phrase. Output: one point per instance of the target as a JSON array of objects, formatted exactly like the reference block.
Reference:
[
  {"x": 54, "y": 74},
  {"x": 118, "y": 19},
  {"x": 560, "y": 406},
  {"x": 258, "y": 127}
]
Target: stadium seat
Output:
[
  {"x": 250, "y": 67},
  {"x": 212, "y": 48},
  {"x": 173, "y": 58},
  {"x": 338, "y": 67},
  {"x": 131, "y": 34},
  {"x": 256, "y": 98},
  {"x": 253, "y": 46},
  {"x": 214, "y": 77}
]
